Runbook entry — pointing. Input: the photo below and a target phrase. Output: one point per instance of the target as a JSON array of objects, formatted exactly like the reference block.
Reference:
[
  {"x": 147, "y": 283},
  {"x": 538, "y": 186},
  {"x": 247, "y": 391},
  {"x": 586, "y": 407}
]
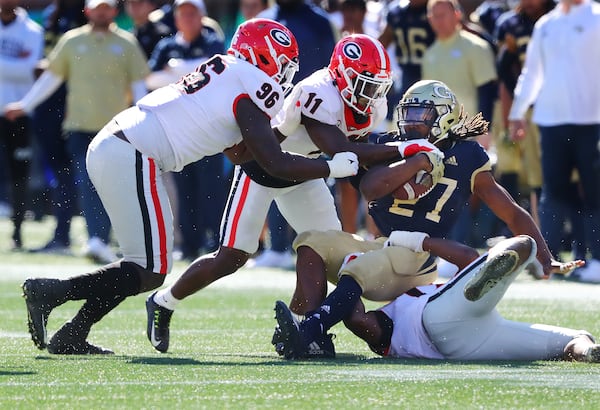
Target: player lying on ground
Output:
[{"x": 457, "y": 320}]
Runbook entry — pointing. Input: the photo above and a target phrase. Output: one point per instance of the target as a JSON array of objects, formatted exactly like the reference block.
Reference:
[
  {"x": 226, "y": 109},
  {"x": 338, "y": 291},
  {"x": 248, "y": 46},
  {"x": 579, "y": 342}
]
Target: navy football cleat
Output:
[
  {"x": 159, "y": 319},
  {"x": 38, "y": 294},
  {"x": 289, "y": 341}
]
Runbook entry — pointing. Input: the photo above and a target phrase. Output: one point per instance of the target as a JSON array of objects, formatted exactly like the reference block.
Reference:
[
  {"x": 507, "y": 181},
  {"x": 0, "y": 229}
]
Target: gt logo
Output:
[
  {"x": 281, "y": 37},
  {"x": 442, "y": 92},
  {"x": 352, "y": 51}
]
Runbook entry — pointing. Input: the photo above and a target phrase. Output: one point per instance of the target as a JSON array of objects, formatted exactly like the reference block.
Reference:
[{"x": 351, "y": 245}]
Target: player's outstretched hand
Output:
[
  {"x": 564, "y": 268},
  {"x": 343, "y": 164},
  {"x": 554, "y": 267}
]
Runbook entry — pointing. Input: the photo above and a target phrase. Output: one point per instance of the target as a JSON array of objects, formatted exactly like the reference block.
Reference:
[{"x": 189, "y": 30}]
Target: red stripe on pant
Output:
[
  {"x": 162, "y": 236},
  {"x": 238, "y": 211}
]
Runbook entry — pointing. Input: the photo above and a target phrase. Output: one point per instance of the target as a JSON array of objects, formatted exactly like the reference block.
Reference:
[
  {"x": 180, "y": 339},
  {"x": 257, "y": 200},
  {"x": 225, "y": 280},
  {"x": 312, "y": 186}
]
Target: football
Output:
[{"x": 416, "y": 188}]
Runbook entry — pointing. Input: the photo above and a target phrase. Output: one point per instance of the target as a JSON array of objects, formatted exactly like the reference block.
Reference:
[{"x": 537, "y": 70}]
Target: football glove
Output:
[
  {"x": 407, "y": 239},
  {"x": 343, "y": 164}
]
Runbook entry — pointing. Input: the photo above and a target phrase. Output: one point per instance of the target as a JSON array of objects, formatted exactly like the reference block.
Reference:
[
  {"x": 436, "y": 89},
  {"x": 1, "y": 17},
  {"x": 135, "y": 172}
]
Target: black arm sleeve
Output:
[{"x": 486, "y": 95}]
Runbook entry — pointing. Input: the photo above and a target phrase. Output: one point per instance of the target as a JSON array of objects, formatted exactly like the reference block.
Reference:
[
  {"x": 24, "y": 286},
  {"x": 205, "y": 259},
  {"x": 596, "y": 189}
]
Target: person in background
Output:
[
  {"x": 148, "y": 33},
  {"x": 252, "y": 8},
  {"x": 557, "y": 78},
  {"x": 99, "y": 60},
  {"x": 409, "y": 31},
  {"x": 21, "y": 48},
  {"x": 59, "y": 17},
  {"x": 519, "y": 162}
]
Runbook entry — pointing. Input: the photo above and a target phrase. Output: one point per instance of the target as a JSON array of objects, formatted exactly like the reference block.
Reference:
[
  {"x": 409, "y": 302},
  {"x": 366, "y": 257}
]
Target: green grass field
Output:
[{"x": 221, "y": 356}]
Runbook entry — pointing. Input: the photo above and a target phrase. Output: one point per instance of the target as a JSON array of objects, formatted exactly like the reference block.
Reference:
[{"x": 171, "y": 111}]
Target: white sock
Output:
[
  {"x": 298, "y": 317},
  {"x": 165, "y": 298}
]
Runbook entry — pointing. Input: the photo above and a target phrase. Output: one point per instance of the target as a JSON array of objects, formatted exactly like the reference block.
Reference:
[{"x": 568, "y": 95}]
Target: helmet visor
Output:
[
  {"x": 287, "y": 70},
  {"x": 369, "y": 89},
  {"x": 416, "y": 119},
  {"x": 417, "y": 113}
]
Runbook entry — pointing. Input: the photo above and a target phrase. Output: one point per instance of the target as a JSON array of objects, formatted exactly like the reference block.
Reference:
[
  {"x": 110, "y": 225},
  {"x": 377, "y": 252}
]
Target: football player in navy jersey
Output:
[
  {"x": 409, "y": 30},
  {"x": 428, "y": 109}
]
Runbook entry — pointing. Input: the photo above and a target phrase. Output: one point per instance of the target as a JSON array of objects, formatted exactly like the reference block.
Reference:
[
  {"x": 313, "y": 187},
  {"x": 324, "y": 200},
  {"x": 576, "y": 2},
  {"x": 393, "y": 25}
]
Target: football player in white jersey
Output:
[
  {"x": 457, "y": 320},
  {"x": 324, "y": 113},
  {"x": 228, "y": 99}
]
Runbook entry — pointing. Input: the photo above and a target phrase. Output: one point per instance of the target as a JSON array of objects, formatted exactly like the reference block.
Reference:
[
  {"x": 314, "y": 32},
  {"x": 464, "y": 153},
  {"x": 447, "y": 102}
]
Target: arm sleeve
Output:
[
  {"x": 41, "y": 90},
  {"x": 486, "y": 95}
]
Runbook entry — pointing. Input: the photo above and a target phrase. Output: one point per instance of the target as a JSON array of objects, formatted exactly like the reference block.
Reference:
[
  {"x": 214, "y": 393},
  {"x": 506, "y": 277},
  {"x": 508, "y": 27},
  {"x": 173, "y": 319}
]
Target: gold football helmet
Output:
[{"x": 427, "y": 110}]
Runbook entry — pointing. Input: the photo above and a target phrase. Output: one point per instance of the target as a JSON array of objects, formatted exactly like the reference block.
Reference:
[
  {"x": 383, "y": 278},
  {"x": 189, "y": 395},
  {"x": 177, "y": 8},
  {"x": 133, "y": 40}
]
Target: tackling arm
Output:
[
  {"x": 262, "y": 143},
  {"x": 330, "y": 139}
]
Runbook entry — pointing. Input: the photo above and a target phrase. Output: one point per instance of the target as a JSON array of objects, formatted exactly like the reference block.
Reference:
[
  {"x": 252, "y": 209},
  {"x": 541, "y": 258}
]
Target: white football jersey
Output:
[
  {"x": 318, "y": 98},
  {"x": 409, "y": 338},
  {"x": 197, "y": 114}
]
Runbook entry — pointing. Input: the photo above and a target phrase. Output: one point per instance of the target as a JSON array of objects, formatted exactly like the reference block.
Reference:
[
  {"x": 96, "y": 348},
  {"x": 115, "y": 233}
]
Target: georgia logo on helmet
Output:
[
  {"x": 360, "y": 67},
  {"x": 268, "y": 45}
]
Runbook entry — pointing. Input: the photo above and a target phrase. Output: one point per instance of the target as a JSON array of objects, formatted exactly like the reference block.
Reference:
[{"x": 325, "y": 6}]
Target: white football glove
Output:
[
  {"x": 343, "y": 164},
  {"x": 436, "y": 158},
  {"x": 406, "y": 239}
]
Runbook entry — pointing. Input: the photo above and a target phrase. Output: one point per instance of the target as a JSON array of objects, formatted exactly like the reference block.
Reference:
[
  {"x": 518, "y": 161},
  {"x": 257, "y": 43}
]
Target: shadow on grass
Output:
[
  {"x": 17, "y": 373},
  {"x": 342, "y": 359}
]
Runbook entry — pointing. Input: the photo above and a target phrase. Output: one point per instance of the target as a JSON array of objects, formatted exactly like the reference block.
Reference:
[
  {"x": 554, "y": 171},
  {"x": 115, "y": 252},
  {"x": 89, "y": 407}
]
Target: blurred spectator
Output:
[
  {"x": 461, "y": 60},
  {"x": 59, "y": 17},
  {"x": 251, "y": 8},
  {"x": 316, "y": 38},
  {"x": 488, "y": 12},
  {"x": 103, "y": 66},
  {"x": 559, "y": 77},
  {"x": 409, "y": 31},
  {"x": 518, "y": 159},
  {"x": 21, "y": 47},
  {"x": 148, "y": 33},
  {"x": 202, "y": 186}
]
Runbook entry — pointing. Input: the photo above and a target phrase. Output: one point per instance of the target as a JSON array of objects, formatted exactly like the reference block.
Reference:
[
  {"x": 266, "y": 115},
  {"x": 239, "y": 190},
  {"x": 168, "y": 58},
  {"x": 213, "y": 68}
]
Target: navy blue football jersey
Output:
[
  {"x": 513, "y": 32},
  {"x": 436, "y": 212},
  {"x": 515, "y": 28},
  {"x": 412, "y": 36}
]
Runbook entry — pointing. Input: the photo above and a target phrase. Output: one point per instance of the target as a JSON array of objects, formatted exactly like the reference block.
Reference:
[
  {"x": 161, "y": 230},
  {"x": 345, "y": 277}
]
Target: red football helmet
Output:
[
  {"x": 269, "y": 46},
  {"x": 361, "y": 68}
]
